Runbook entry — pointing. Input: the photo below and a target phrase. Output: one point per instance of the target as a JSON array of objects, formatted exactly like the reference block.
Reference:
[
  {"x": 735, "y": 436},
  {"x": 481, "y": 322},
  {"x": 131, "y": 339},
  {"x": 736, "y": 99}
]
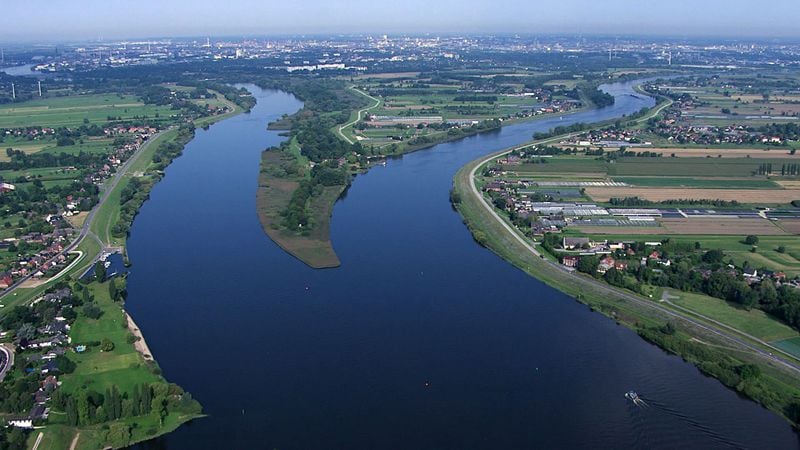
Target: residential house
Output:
[
  {"x": 606, "y": 264},
  {"x": 570, "y": 261}
]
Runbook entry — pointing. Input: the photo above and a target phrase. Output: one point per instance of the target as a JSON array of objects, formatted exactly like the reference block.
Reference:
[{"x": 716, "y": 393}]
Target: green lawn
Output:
[
  {"x": 754, "y": 322},
  {"x": 123, "y": 367}
]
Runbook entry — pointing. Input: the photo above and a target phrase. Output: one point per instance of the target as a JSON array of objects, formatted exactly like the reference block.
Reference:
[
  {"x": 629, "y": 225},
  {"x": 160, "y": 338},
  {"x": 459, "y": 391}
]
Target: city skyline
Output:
[{"x": 93, "y": 19}]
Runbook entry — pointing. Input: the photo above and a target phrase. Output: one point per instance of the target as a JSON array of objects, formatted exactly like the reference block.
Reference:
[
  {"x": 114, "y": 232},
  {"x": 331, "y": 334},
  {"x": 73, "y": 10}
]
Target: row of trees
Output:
[
  {"x": 636, "y": 201},
  {"x": 789, "y": 169},
  {"x": 147, "y": 399}
]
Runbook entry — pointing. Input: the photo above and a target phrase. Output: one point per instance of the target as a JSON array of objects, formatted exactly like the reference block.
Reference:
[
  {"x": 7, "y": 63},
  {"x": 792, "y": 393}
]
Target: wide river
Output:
[{"x": 421, "y": 339}]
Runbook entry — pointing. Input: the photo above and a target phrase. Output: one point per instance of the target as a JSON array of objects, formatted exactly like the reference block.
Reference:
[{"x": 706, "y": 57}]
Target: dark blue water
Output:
[{"x": 421, "y": 339}]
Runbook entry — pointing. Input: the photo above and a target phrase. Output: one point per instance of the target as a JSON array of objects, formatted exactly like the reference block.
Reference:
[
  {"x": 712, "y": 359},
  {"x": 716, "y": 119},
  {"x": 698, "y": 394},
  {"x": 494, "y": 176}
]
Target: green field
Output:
[
  {"x": 791, "y": 345},
  {"x": 754, "y": 322},
  {"x": 563, "y": 165},
  {"x": 123, "y": 367},
  {"x": 701, "y": 167},
  {"x": 693, "y": 182},
  {"x": 671, "y": 170},
  {"x": 87, "y": 146},
  {"x": 70, "y": 111}
]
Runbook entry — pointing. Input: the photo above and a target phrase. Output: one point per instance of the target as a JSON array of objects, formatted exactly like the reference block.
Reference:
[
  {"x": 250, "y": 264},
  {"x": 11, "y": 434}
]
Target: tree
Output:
[
  {"x": 127, "y": 408},
  {"x": 118, "y": 435},
  {"x": 26, "y": 331},
  {"x": 116, "y": 402},
  {"x": 112, "y": 289},
  {"x": 159, "y": 407},
  {"x": 748, "y": 371},
  {"x": 588, "y": 264},
  {"x": 72, "y": 412},
  {"x": 751, "y": 240},
  {"x": 767, "y": 294},
  {"x": 100, "y": 415},
  {"x": 64, "y": 364},
  {"x": 92, "y": 311},
  {"x": 147, "y": 396},
  {"x": 100, "y": 271},
  {"x": 83, "y": 409},
  {"x": 713, "y": 256},
  {"x": 136, "y": 399},
  {"x": 106, "y": 345}
]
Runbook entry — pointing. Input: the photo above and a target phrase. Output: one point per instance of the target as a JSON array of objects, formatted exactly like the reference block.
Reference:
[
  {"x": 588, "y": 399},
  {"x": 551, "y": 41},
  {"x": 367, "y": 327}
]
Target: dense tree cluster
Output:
[
  {"x": 694, "y": 270},
  {"x": 90, "y": 407}
]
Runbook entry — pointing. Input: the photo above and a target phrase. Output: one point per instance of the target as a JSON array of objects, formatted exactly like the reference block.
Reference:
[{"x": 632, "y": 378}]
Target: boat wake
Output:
[{"x": 690, "y": 421}]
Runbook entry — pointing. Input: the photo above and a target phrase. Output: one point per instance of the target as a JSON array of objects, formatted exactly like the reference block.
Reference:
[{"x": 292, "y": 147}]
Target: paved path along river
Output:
[{"x": 422, "y": 339}]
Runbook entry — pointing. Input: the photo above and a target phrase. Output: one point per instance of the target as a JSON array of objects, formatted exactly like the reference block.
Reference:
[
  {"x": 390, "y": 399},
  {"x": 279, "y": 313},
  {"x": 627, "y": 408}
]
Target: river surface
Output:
[
  {"x": 421, "y": 339},
  {"x": 19, "y": 71}
]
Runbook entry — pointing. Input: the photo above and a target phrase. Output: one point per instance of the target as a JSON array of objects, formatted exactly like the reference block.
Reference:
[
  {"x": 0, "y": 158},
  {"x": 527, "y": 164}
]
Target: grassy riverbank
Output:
[
  {"x": 124, "y": 366},
  {"x": 715, "y": 353}
]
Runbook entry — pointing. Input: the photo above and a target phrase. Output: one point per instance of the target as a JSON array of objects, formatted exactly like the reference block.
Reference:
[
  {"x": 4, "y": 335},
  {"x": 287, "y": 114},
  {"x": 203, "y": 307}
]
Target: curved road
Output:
[
  {"x": 8, "y": 362},
  {"x": 358, "y": 116},
  {"x": 601, "y": 286},
  {"x": 108, "y": 187}
]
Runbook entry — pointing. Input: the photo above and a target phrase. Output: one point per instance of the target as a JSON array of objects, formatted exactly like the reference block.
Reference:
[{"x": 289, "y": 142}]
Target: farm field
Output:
[
  {"x": 702, "y": 167},
  {"x": 790, "y": 225},
  {"x": 791, "y": 345},
  {"x": 721, "y": 226},
  {"x": 70, "y": 111},
  {"x": 655, "y": 194},
  {"x": 654, "y": 167},
  {"x": 716, "y": 107},
  {"x": 714, "y": 152},
  {"x": 695, "y": 182}
]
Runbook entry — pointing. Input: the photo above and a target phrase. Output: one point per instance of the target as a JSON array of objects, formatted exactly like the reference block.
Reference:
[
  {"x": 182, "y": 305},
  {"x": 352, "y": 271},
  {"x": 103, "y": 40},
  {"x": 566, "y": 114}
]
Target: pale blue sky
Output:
[{"x": 70, "y": 19}]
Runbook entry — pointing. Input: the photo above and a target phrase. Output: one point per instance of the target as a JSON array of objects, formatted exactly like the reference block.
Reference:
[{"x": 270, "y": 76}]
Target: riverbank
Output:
[
  {"x": 715, "y": 352},
  {"x": 130, "y": 364},
  {"x": 411, "y": 278},
  {"x": 284, "y": 169}
]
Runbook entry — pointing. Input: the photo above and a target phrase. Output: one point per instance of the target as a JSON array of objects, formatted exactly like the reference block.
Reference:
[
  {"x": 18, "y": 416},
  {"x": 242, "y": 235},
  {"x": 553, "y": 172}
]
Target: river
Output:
[
  {"x": 19, "y": 71},
  {"x": 421, "y": 339}
]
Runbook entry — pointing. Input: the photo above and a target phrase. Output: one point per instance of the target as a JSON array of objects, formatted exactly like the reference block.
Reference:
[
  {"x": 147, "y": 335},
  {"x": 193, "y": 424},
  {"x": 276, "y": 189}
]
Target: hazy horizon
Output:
[{"x": 116, "y": 19}]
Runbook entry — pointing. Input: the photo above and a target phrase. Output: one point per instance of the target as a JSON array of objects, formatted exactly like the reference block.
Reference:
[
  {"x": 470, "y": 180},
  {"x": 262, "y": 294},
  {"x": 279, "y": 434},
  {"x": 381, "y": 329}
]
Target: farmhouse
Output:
[{"x": 571, "y": 243}]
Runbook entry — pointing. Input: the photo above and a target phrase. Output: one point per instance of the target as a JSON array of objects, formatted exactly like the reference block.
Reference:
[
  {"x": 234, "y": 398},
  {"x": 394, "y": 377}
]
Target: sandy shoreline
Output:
[{"x": 140, "y": 344}]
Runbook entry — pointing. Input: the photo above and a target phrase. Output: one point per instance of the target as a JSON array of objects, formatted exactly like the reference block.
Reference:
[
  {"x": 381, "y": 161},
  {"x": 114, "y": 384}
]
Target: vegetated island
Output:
[
  {"x": 738, "y": 360},
  {"x": 300, "y": 180}
]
